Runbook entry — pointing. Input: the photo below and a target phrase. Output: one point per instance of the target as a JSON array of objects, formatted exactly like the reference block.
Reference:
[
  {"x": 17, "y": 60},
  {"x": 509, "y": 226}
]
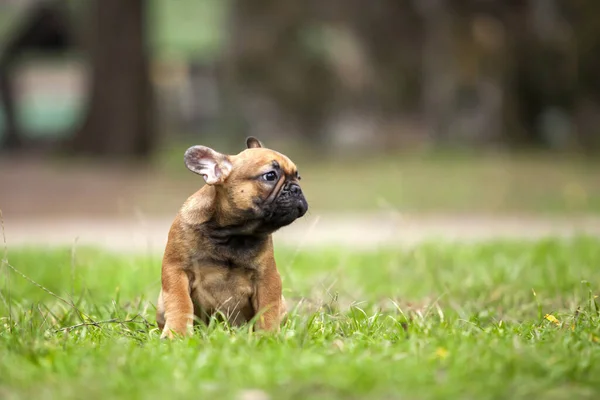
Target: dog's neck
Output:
[
  {"x": 233, "y": 242},
  {"x": 205, "y": 213}
]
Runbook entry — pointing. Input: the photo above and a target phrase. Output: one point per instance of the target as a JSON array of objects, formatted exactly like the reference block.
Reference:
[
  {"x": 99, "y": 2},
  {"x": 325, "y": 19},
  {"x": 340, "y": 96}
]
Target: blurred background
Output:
[{"x": 446, "y": 107}]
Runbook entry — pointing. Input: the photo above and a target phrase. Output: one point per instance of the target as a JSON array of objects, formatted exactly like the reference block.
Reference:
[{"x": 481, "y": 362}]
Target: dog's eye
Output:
[{"x": 270, "y": 176}]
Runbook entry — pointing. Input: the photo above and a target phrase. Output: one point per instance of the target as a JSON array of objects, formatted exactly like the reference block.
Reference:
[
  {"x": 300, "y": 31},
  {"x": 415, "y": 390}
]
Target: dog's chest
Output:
[{"x": 224, "y": 289}]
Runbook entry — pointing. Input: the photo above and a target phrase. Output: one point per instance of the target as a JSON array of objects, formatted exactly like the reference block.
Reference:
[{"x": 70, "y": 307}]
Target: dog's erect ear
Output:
[
  {"x": 212, "y": 165},
  {"x": 253, "y": 143}
]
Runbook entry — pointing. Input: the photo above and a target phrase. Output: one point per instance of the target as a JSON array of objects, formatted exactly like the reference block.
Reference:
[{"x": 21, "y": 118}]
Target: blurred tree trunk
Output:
[
  {"x": 439, "y": 75},
  {"x": 370, "y": 51},
  {"x": 119, "y": 118},
  {"x": 12, "y": 140},
  {"x": 464, "y": 71},
  {"x": 542, "y": 75},
  {"x": 587, "y": 38},
  {"x": 273, "y": 79}
]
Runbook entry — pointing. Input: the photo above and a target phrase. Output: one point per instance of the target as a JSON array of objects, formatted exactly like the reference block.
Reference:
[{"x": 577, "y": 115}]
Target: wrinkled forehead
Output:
[{"x": 257, "y": 158}]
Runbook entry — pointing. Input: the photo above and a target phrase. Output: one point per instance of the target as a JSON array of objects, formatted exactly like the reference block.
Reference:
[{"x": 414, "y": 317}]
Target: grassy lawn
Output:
[{"x": 497, "y": 320}]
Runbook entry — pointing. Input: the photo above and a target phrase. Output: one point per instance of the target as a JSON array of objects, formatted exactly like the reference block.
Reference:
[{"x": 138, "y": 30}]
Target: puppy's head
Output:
[{"x": 258, "y": 187}]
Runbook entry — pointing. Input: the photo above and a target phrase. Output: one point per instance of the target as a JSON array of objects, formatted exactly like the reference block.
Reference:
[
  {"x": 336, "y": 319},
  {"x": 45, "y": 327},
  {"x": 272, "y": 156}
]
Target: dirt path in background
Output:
[
  {"x": 57, "y": 204},
  {"x": 355, "y": 231}
]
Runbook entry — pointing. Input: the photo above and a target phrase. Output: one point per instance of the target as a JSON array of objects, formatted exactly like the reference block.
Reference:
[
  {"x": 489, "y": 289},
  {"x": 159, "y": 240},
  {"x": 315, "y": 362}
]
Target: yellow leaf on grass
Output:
[
  {"x": 552, "y": 319},
  {"x": 441, "y": 353}
]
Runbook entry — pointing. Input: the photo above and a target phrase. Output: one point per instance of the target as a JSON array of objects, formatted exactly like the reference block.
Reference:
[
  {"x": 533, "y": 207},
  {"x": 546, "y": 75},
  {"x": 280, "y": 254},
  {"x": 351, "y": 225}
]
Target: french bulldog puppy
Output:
[{"x": 219, "y": 255}]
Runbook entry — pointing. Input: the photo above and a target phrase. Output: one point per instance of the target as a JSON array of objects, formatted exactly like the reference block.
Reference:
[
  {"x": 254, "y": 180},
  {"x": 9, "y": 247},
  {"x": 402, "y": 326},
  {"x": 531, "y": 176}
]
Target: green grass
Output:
[{"x": 436, "y": 321}]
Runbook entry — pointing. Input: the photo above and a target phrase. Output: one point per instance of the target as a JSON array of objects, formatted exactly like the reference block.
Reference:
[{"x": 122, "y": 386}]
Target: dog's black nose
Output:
[{"x": 294, "y": 189}]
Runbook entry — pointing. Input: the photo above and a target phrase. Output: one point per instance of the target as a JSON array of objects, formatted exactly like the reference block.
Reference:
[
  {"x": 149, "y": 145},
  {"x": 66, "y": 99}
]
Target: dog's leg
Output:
[
  {"x": 283, "y": 311},
  {"x": 160, "y": 312},
  {"x": 267, "y": 299},
  {"x": 177, "y": 303}
]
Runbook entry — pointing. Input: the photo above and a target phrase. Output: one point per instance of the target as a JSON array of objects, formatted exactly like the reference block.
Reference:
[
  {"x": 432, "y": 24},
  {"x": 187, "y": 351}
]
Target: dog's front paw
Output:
[
  {"x": 175, "y": 332},
  {"x": 283, "y": 310},
  {"x": 166, "y": 334}
]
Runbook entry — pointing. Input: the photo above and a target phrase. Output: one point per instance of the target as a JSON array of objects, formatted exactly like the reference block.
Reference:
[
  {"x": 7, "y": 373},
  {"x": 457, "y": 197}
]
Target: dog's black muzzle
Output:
[
  {"x": 291, "y": 196},
  {"x": 289, "y": 205}
]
